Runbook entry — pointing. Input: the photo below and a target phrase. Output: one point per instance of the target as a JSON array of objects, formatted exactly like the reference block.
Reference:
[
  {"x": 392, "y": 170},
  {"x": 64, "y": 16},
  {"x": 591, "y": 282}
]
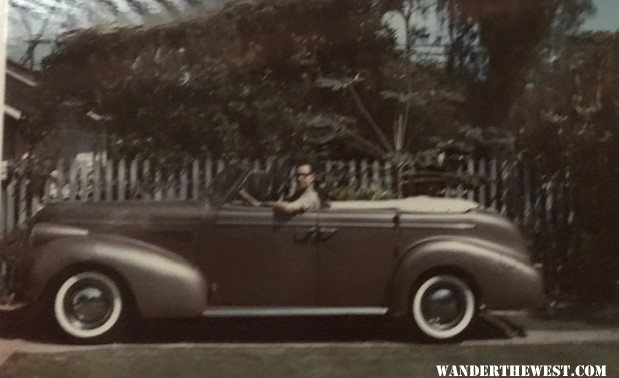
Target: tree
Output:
[{"x": 567, "y": 119}]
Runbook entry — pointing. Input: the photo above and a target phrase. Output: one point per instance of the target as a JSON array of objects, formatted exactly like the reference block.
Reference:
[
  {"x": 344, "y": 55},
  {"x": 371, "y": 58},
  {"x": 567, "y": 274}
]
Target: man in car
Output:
[{"x": 305, "y": 197}]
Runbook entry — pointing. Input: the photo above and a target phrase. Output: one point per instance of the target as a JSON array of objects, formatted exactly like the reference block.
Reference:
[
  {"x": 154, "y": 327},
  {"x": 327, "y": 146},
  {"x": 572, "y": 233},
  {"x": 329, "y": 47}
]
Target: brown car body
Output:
[{"x": 186, "y": 259}]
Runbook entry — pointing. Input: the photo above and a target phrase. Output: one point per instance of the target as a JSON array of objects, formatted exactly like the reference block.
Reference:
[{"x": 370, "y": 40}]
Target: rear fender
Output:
[
  {"x": 500, "y": 280},
  {"x": 164, "y": 285}
]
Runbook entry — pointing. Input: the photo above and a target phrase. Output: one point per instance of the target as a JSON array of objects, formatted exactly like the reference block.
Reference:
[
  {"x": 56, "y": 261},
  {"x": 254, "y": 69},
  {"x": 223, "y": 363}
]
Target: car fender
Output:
[
  {"x": 164, "y": 284},
  {"x": 500, "y": 279}
]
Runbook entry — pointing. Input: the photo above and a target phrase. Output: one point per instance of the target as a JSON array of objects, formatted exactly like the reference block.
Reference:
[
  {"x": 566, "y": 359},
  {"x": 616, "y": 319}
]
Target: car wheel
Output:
[
  {"x": 443, "y": 307},
  {"x": 88, "y": 307}
]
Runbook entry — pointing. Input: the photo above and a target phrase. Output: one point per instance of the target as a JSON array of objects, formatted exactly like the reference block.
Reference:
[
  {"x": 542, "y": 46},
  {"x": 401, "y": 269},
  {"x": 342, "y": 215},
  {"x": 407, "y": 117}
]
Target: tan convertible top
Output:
[{"x": 418, "y": 204}]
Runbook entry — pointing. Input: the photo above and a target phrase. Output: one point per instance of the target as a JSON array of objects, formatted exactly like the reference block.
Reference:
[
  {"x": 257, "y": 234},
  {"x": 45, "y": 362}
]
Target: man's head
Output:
[{"x": 305, "y": 176}]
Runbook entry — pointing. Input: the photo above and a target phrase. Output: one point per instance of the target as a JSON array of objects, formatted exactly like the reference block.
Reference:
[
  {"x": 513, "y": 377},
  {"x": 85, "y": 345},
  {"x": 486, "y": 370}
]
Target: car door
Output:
[
  {"x": 357, "y": 251},
  {"x": 255, "y": 257}
]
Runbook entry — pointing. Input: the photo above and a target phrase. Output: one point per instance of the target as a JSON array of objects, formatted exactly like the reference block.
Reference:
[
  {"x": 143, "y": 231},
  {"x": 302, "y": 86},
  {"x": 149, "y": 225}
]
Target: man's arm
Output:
[{"x": 286, "y": 207}]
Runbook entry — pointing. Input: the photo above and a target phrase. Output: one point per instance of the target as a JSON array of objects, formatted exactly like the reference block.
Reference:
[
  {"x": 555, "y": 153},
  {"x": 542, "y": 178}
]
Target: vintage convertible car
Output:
[{"x": 432, "y": 263}]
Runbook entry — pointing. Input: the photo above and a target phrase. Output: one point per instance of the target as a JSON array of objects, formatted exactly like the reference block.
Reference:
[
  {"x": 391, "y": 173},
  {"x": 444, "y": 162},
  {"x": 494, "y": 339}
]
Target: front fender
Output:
[
  {"x": 502, "y": 280},
  {"x": 164, "y": 284}
]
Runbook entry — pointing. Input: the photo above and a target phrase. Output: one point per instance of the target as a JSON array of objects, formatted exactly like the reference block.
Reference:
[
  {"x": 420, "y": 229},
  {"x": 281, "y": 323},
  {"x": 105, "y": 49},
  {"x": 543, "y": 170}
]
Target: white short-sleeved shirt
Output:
[{"x": 309, "y": 200}]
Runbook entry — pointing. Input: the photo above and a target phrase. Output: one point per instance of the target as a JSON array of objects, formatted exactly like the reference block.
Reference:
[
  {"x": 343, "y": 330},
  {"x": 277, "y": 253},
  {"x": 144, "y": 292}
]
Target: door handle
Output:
[
  {"x": 326, "y": 233},
  {"x": 306, "y": 235}
]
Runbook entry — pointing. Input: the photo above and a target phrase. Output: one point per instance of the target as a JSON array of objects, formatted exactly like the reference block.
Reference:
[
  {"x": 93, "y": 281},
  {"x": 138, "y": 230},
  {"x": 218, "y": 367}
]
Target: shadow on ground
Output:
[{"x": 259, "y": 330}]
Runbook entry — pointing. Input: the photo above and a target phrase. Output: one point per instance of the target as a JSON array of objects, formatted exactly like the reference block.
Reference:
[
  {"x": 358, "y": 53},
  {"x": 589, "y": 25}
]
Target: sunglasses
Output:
[{"x": 303, "y": 175}]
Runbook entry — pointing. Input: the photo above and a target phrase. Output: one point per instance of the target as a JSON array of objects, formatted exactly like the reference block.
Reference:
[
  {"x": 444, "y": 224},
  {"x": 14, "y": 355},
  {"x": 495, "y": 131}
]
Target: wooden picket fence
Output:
[{"x": 509, "y": 187}]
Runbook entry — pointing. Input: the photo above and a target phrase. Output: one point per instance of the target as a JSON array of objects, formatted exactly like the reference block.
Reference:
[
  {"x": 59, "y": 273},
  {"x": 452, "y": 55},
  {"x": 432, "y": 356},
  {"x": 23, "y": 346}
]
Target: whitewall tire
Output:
[
  {"x": 443, "y": 307},
  {"x": 88, "y": 306}
]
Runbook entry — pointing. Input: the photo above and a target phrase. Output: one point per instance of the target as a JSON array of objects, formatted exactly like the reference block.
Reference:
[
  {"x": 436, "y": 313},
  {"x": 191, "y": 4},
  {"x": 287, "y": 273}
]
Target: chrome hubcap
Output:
[
  {"x": 88, "y": 305},
  {"x": 443, "y": 306}
]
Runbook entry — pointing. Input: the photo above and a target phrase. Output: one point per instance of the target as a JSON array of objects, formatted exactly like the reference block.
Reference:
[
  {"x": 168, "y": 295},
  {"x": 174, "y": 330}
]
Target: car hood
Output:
[{"x": 117, "y": 213}]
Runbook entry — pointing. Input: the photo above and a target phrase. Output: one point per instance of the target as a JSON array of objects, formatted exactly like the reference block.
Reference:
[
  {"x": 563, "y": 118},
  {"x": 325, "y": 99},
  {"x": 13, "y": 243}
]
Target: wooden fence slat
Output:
[
  {"x": 376, "y": 174},
  {"x": 538, "y": 205},
  {"x": 481, "y": 191},
  {"x": 72, "y": 187},
  {"x": 570, "y": 197},
  {"x": 352, "y": 173},
  {"x": 208, "y": 172},
  {"x": 60, "y": 180},
  {"x": 549, "y": 205},
  {"x": 96, "y": 178},
  {"x": 133, "y": 178},
  {"x": 35, "y": 205},
  {"x": 158, "y": 190},
  {"x": 460, "y": 188},
  {"x": 109, "y": 179},
  {"x": 365, "y": 177},
  {"x": 22, "y": 213},
  {"x": 388, "y": 175},
  {"x": 3, "y": 210},
  {"x": 195, "y": 179},
  {"x": 122, "y": 180},
  {"x": 470, "y": 170},
  {"x": 170, "y": 188},
  {"x": 505, "y": 186},
  {"x": 494, "y": 179},
  {"x": 147, "y": 180},
  {"x": 182, "y": 193},
  {"x": 10, "y": 207}
]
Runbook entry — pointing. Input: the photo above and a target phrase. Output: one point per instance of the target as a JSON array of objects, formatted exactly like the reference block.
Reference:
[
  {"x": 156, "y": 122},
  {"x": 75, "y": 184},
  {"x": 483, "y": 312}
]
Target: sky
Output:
[{"x": 606, "y": 18}]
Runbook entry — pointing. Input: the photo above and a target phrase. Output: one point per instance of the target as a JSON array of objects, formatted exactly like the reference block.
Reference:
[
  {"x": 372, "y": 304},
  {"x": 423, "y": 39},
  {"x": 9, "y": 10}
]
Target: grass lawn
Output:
[{"x": 286, "y": 360}]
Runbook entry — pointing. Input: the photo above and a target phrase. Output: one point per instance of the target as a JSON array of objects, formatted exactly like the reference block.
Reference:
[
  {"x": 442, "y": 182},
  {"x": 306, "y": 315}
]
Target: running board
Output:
[{"x": 224, "y": 312}]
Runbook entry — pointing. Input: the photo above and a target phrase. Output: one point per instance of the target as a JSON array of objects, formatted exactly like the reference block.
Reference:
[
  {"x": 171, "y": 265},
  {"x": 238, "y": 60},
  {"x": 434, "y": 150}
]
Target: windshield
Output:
[
  {"x": 260, "y": 184},
  {"x": 224, "y": 183}
]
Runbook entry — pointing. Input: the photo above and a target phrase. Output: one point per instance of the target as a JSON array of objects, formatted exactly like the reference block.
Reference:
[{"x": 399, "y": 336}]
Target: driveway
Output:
[{"x": 364, "y": 347}]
